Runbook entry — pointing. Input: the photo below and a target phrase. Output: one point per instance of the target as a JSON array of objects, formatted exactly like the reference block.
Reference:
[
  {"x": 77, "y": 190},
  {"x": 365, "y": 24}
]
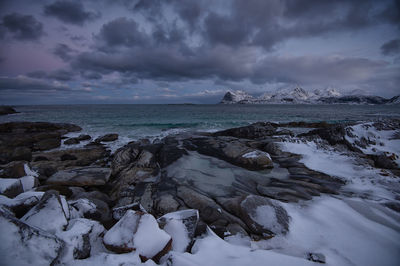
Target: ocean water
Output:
[{"x": 139, "y": 121}]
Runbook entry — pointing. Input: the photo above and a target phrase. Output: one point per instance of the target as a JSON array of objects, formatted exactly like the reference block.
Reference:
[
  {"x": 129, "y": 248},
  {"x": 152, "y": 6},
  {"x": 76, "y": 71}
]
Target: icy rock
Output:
[
  {"x": 81, "y": 208},
  {"x": 50, "y": 214},
  {"x": 85, "y": 176},
  {"x": 119, "y": 212},
  {"x": 138, "y": 231},
  {"x": 25, "y": 245},
  {"x": 181, "y": 226},
  {"x": 22, "y": 203},
  {"x": 80, "y": 235},
  {"x": 11, "y": 187},
  {"x": 107, "y": 138},
  {"x": 264, "y": 216}
]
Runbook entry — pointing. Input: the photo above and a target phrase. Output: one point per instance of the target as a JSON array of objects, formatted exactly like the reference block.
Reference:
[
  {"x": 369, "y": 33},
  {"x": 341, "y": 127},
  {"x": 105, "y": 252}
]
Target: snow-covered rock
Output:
[
  {"x": 50, "y": 214},
  {"x": 264, "y": 216},
  {"x": 81, "y": 236},
  {"x": 22, "y": 203},
  {"x": 119, "y": 212},
  {"x": 24, "y": 245},
  {"x": 11, "y": 187},
  {"x": 181, "y": 226},
  {"x": 138, "y": 231}
]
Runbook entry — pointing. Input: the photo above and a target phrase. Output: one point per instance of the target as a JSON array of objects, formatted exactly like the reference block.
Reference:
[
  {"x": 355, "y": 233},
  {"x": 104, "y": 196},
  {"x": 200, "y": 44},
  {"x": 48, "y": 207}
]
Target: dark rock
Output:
[
  {"x": 6, "y": 110},
  {"x": 71, "y": 141},
  {"x": 283, "y": 194},
  {"x": 27, "y": 244},
  {"x": 21, "y": 154},
  {"x": 47, "y": 144},
  {"x": 40, "y": 158},
  {"x": 68, "y": 157},
  {"x": 166, "y": 203},
  {"x": 384, "y": 161},
  {"x": 273, "y": 149},
  {"x": 253, "y": 131},
  {"x": 231, "y": 150},
  {"x": 83, "y": 137},
  {"x": 13, "y": 169},
  {"x": 85, "y": 176},
  {"x": 107, "y": 138},
  {"x": 170, "y": 152},
  {"x": 334, "y": 134},
  {"x": 119, "y": 212},
  {"x": 316, "y": 257}
]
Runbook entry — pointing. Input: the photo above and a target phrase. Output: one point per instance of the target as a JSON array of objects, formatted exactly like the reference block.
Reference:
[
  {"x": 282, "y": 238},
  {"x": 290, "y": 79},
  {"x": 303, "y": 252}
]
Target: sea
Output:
[{"x": 136, "y": 121}]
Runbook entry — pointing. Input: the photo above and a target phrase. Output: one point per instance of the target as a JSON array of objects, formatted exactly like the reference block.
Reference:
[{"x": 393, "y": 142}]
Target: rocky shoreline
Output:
[{"x": 154, "y": 200}]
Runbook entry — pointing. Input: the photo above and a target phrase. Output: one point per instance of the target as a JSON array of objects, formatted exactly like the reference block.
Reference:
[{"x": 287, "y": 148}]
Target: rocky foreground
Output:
[{"x": 172, "y": 201}]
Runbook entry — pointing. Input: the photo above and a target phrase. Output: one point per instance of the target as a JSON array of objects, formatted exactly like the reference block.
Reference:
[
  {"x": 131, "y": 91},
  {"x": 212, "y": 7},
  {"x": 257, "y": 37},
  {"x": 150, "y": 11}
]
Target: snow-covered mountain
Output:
[{"x": 301, "y": 96}]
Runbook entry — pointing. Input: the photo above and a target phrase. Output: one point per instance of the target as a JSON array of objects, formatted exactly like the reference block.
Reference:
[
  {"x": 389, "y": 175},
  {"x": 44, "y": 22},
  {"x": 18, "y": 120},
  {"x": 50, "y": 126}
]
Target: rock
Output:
[
  {"x": 6, "y": 110},
  {"x": 19, "y": 139},
  {"x": 235, "y": 229},
  {"x": 273, "y": 149},
  {"x": 22, "y": 203},
  {"x": 119, "y": 212},
  {"x": 253, "y": 131},
  {"x": 107, "y": 138},
  {"x": 384, "y": 161},
  {"x": 13, "y": 169},
  {"x": 166, "y": 203},
  {"x": 138, "y": 231},
  {"x": 83, "y": 137},
  {"x": 181, "y": 226},
  {"x": 170, "y": 152},
  {"x": 334, "y": 134},
  {"x": 231, "y": 150},
  {"x": 264, "y": 216},
  {"x": 71, "y": 141},
  {"x": 25, "y": 245},
  {"x": 50, "y": 205},
  {"x": 316, "y": 257},
  {"x": 68, "y": 157},
  {"x": 85, "y": 176},
  {"x": 283, "y": 193},
  {"x": 21, "y": 154},
  {"x": 80, "y": 235},
  {"x": 47, "y": 144},
  {"x": 11, "y": 187}
]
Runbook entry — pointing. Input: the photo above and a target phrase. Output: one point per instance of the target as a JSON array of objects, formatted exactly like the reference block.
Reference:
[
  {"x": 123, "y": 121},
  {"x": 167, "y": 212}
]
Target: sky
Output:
[{"x": 180, "y": 51}]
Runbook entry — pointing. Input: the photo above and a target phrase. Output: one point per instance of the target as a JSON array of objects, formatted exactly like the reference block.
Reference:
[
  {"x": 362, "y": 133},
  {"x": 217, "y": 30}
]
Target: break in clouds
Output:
[{"x": 173, "y": 51}]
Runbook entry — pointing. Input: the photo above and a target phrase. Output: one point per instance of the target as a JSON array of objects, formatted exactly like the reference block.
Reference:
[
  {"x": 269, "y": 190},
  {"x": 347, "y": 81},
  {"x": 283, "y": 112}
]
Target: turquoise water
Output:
[{"x": 136, "y": 121}]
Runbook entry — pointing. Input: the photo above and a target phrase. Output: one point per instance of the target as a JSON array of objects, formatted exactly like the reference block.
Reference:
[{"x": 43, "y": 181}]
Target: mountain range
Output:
[{"x": 301, "y": 96}]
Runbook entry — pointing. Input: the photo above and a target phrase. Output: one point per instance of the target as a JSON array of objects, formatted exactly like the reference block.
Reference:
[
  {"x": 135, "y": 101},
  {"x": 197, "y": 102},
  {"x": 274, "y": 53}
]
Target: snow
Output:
[
  {"x": 49, "y": 217},
  {"x": 265, "y": 216},
  {"x": 149, "y": 238},
  {"x": 30, "y": 172},
  {"x": 28, "y": 182},
  {"x": 211, "y": 250},
  {"x": 122, "y": 233},
  {"x": 177, "y": 230},
  {"x": 385, "y": 143}
]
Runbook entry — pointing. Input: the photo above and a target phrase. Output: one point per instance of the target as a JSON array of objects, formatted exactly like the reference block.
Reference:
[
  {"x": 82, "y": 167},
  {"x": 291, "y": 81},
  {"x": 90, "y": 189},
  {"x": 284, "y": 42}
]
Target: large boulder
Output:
[
  {"x": 107, "y": 138},
  {"x": 50, "y": 205},
  {"x": 85, "y": 176},
  {"x": 25, "y": 245},
  {"x": 140, "y": 232},
  {"x": 264, "y": 216},
  {"x": 231, "y": 150},
  {"x": 253, "y": 131},
  {"x": 80, "y": 235},
  {"x": 19, "y": 139},
  {"x": 181, "y": 226}
]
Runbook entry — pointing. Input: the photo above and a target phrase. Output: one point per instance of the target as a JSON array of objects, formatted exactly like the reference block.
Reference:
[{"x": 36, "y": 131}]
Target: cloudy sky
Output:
[{"x": 174, "y": 51}]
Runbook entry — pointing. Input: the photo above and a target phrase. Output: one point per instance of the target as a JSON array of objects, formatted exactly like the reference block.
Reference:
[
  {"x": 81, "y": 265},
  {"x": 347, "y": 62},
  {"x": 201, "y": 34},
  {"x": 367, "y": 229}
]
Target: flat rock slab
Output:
[{"x": 85, "y": 176}]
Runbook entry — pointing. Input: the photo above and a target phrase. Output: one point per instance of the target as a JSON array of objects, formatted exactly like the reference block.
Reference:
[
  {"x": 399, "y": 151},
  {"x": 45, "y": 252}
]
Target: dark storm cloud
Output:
[
  {"x": 22, "y": 27},
  {"x": 72, "y": 12},
  {"x": 60, "y": 75},
  {"x": 64, "y": 52},
  {"x": 391, "y": 47},
  {"x": 26, "y": 84}
]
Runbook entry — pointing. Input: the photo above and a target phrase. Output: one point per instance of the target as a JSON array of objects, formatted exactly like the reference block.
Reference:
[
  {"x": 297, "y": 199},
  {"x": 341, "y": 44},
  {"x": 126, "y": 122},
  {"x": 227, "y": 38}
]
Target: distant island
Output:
[{"x": 301, "y": 96}]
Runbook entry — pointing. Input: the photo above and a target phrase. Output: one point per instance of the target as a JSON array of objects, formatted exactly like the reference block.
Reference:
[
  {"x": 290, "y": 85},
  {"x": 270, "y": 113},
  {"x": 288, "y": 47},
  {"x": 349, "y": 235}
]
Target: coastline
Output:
[{"x": 249, "y": 186}]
